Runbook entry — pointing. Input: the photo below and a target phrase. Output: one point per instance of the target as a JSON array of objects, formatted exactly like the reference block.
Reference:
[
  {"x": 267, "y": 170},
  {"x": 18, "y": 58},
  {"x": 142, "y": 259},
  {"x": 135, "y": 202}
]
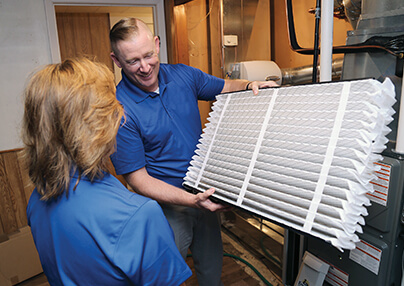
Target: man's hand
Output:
[
  {"x": 203, "y": 202},
  {"x": 231, "y": 85},
  {"x": 256, "y": 85}
]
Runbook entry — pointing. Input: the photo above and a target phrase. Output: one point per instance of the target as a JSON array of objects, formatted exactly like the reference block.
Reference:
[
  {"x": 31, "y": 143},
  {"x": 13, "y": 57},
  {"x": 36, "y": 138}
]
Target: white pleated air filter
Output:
[{"x": 301, "y": 156}]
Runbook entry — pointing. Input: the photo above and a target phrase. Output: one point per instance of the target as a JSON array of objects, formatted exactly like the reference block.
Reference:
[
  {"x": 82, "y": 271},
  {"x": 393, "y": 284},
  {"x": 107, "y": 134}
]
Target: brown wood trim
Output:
[
  {"x": 11, "y": 150},
  {"x": 170, "y": 31}
]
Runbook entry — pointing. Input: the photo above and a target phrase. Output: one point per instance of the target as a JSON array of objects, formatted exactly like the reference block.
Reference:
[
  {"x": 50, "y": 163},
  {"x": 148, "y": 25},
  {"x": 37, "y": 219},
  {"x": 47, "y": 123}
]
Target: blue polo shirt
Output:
[
  {"x": 103, "y": 234},
  {"x": 161, "y": 130}
]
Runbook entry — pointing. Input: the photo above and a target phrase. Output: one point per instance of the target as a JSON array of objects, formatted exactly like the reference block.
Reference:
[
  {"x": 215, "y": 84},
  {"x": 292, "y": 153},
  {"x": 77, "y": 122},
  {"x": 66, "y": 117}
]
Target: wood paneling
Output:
[
  {"x": 191, "y": 42},
  {"x": 17, "y": 193},
  {"x": 215, "y": 39},
  {"x": 170, "y": 31},
  {"x": 197, "y": 34},
  {"x": 84, "y": 34},
  {"x": 181, "y": 39},
  {"x": 258, "y": 47},
  {"x": 15, "y": 189}
]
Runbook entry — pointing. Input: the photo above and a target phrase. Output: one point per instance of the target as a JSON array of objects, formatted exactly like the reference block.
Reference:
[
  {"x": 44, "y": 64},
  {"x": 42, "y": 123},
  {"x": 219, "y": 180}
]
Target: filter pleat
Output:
[{"x": 301, "y": 156}]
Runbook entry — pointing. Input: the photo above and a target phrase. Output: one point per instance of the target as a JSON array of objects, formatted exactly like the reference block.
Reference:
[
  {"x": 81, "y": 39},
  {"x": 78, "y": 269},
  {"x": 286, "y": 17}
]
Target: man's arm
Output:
[
  {"x": 231, "y": 85},
  {"x": 148, "y": 186}
]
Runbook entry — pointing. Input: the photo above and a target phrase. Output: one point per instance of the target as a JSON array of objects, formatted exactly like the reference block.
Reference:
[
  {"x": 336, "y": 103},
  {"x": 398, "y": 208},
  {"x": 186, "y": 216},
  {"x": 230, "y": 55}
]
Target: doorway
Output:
[
  {"x": 122, "y": 8},
  {"x": 84, "y": 30}
]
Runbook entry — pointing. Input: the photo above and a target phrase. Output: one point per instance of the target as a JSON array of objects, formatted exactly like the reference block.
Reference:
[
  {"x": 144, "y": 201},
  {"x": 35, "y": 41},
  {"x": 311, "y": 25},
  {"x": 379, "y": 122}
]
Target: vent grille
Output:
[{"x": 301, "y": 156}]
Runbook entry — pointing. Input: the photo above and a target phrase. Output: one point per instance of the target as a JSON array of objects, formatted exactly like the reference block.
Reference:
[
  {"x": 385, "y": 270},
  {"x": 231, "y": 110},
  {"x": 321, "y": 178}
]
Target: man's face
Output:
[{"x": 138, "y": 58}]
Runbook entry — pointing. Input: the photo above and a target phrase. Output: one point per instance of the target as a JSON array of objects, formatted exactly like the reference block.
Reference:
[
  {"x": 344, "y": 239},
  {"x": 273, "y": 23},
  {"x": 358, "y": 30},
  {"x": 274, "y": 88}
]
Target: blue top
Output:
[
  {"x": 162, "y": 130},
  {"x": 103, "y": 234}
]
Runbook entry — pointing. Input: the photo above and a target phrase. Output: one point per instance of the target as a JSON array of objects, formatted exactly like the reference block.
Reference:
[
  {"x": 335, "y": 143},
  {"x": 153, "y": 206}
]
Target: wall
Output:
[
  {"x": 24, "y": 46},
  {"x": 250, "y": 22}
]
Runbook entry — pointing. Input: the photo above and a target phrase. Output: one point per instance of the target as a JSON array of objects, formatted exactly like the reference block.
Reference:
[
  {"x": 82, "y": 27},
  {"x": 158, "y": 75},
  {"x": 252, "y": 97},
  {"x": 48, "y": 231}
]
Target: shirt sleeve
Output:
[
  {"x": 129, "y": 155},
  {"x": 146, "y": 251},
  {"x": 207, "y": 86}
]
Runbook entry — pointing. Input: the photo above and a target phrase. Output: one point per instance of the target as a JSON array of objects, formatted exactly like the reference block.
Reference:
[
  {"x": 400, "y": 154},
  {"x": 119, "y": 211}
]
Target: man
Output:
[{"x": 158, "y": 139}]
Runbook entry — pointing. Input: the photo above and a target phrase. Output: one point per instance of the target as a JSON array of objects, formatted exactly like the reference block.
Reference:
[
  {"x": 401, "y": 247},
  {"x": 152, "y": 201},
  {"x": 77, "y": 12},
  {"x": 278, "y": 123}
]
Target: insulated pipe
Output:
[
  {"x": 327, "y": 21},
  {"x": 400, "y": 127}
]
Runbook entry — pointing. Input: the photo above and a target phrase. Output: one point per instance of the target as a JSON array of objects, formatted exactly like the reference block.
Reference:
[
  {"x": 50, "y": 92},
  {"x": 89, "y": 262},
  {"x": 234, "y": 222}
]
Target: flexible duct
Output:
[{"x": 301, "y": 75}]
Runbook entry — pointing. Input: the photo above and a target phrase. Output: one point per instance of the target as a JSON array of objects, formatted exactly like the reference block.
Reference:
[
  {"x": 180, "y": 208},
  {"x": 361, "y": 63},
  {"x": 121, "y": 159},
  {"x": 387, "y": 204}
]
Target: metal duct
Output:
[
  {"x": 301, "y": 75},
  {"x": 352, "y": 11}
]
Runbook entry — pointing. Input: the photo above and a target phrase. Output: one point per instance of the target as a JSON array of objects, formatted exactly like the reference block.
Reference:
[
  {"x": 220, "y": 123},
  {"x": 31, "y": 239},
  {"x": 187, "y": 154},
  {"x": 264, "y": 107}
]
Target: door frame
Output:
[{"x": 158, "y": 15}]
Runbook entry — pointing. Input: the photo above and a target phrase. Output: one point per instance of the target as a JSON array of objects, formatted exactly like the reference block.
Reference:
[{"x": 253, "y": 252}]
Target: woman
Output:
[{"x": 87, "y": 227}]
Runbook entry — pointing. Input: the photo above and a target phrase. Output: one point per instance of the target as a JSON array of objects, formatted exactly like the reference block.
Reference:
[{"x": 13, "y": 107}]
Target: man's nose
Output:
[{"x": 143, "y": 65}]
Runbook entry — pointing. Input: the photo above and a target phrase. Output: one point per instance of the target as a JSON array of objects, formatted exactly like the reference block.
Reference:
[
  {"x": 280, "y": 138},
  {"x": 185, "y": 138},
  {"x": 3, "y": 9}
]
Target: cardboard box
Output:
[{"x": 19, "y": 259}]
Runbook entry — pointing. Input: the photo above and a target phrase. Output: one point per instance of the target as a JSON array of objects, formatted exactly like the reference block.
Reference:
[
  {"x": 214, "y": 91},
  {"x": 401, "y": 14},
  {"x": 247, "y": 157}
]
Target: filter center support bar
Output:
[
  {"x": 257, "y": 147},
  {"x": 308, "y": 224}
]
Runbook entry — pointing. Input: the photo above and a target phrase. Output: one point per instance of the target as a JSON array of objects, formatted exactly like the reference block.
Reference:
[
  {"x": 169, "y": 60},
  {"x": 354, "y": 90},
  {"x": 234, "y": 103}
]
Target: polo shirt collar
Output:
[{"x": 137, "y": 93}]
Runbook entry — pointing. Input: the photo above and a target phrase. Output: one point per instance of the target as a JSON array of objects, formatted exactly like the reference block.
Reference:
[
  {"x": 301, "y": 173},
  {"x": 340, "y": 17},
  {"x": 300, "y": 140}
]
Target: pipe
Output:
[
  {"x": 302, "y": 75},
  {"x": 360, "y": 48},
  {"x": 327, "y": 27},
  {"x": 316, "y": 37}
]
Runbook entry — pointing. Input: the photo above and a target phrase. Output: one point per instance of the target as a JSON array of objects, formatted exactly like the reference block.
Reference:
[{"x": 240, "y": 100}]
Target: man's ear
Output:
[
  {"x": 157, "y": 44},
  {"x": 115, "y": 59}
]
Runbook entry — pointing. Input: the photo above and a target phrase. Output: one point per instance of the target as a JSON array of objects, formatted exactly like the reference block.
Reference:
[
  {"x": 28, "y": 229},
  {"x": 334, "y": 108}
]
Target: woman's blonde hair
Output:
[{"x": 71, "y": 117}]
